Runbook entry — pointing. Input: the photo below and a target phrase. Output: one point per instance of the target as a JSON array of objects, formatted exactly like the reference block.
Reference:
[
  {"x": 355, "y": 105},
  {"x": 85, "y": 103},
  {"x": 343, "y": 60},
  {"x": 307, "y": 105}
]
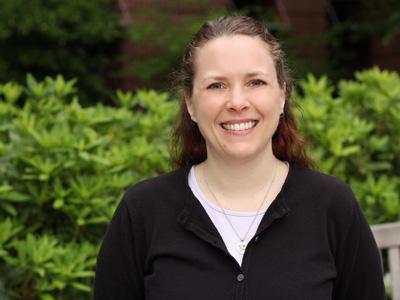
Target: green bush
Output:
[
  {"x": 353, "y": 132},
  {"x": 63, "y": 169}
]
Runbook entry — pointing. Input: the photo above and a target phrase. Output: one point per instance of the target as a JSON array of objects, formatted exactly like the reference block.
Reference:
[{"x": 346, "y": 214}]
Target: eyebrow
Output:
[
  {"x": 220, "y": 77},
  {"x": 214, "y": 77},
  {"x": 256, "y": 74}
]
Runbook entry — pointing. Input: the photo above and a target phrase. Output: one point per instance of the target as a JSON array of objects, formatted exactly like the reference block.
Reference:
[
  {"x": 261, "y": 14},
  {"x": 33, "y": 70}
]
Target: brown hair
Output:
[{"x": 188, "y": 144}]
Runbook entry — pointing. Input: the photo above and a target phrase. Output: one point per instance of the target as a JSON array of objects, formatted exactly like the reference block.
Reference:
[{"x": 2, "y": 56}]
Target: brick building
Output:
[{"x": 307, "y": 22}]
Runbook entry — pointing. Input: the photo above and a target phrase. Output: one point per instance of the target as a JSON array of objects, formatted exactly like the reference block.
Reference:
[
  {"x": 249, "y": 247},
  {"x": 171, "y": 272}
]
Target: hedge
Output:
[
  {"x": 353, "y": 130},
  {"x": 64, "y": 167}
]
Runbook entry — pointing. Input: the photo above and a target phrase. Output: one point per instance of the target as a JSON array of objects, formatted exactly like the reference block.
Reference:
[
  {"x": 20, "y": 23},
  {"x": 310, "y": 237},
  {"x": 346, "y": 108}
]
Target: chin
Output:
[{"x": 245, "y": 153}]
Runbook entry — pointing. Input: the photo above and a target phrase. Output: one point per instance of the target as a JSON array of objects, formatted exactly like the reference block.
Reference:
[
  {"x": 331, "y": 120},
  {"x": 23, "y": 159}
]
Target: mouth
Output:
[{"x": 239, "y": 126}]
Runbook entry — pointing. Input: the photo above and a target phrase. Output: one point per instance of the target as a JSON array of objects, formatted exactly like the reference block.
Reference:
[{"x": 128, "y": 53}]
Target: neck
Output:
[{"x": 240, "y": 178}]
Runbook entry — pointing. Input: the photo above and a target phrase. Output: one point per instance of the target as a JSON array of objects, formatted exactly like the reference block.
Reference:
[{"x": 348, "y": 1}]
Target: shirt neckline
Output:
[
  {"x": 194, "y": 217},
  {"x": 204, "y": 199}
]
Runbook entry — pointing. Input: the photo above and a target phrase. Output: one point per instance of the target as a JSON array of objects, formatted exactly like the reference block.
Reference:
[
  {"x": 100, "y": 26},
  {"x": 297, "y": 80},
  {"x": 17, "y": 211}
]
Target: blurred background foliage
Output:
[
  {"x": 352, "y": 27},
  {"x": 160, "y": 32},
  {"x": 63, "y": 168},
  {"x": 79, "y": 39},
  {"x": 353, "y": 133}
]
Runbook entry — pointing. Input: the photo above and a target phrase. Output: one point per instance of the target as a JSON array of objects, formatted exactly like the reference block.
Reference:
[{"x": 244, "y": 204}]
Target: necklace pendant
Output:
[{"x": 241, "y": 247}]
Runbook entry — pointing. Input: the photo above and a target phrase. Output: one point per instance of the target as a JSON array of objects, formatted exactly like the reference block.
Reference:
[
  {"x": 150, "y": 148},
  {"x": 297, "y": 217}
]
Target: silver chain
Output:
[{"x": 258, "y": 210}]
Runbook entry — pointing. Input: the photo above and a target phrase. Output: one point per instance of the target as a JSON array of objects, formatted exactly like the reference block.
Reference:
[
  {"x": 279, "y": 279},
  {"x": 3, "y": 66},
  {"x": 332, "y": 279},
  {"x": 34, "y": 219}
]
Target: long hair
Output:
[{"x": 188, "y": 145}]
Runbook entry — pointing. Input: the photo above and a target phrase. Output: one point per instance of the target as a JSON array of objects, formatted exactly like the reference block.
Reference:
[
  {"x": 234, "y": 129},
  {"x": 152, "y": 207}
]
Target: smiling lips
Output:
[{"x": 239, "y": 126}]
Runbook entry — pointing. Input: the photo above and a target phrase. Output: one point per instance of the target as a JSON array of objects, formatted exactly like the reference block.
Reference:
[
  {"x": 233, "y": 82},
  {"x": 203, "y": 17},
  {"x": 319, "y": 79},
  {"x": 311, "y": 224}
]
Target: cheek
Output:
[
  {"x": 208, "y": 116},
  {"x": 271, "y": 109},
  {"x": 209, "y": 110}
]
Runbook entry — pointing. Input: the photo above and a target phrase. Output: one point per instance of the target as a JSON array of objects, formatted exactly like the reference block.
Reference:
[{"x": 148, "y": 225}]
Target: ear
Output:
[
  {"x": 189, "y": 107},
  {"x": 282, "y": 98}
]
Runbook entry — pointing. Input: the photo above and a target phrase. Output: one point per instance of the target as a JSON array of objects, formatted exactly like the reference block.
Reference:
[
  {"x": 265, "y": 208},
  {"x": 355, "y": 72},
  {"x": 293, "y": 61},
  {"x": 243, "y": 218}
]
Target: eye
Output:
[
  {"x": 216, "y": 86},
  {"x": 257, "y": 82}
]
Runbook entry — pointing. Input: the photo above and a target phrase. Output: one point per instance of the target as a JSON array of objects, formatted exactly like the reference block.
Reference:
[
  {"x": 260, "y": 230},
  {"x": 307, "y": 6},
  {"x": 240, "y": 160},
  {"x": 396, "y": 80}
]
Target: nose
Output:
[{"x": 237, "y": 100}]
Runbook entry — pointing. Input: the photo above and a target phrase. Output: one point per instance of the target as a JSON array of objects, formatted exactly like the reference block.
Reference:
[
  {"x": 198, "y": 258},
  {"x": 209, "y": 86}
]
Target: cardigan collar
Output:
[{"x": 194, "y": 218}]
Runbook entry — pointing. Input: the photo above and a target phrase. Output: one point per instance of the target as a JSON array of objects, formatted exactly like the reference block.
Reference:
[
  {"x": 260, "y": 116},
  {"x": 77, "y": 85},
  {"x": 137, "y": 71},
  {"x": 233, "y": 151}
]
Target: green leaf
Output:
[{"x": 82, "y": 287}]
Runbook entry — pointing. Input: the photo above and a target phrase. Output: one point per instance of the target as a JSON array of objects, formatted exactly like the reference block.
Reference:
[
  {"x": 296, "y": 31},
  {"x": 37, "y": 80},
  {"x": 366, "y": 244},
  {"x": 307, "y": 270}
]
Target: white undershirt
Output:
[{"x": 240, "y": 220}]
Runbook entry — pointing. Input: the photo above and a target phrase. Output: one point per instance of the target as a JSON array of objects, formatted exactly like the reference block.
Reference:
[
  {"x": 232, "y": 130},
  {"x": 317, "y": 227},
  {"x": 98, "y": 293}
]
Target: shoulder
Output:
[
  {"x": 318, "y": 182},
  {"x": 163, "y": 183},
  {"x": 323, "y": 204},
  {"x": 168, "y": 187},
  {"x": 319, "y": 190}
]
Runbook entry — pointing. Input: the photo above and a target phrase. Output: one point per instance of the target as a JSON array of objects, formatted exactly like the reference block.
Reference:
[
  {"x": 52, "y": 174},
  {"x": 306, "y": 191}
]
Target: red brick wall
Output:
[
  {"x": 305, "y": 19},
  {"x": 386, "y": 56}
]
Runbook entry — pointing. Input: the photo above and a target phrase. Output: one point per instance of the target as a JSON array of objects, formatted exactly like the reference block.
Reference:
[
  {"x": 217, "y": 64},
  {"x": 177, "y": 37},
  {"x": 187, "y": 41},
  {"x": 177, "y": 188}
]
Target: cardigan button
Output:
[
  {"x": 256, "y": 239},
  {"x": 240, "y": 277}
]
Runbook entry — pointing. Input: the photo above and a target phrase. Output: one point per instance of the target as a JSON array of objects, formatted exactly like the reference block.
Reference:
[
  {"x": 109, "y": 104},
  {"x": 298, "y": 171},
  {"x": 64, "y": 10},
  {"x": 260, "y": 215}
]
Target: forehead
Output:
[{"x": 233, "y": 54}]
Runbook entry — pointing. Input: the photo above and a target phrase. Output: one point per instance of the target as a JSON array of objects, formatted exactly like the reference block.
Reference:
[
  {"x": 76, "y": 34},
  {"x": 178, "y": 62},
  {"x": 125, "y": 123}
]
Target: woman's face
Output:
[{"x": 236, "y": 99}]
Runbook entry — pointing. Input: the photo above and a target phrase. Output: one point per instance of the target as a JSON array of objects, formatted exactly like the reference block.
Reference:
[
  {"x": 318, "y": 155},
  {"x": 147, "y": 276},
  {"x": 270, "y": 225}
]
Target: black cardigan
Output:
[{"x": 313, "y": 243}]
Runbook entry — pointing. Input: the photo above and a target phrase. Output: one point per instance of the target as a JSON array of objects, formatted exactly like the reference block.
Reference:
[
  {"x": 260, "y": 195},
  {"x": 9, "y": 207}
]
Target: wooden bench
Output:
[{"x": 387, "y": 236}]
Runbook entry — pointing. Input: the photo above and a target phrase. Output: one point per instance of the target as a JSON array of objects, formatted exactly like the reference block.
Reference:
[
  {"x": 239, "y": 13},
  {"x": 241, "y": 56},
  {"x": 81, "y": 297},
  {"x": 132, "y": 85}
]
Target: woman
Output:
[{"x": 243, "y": 217}]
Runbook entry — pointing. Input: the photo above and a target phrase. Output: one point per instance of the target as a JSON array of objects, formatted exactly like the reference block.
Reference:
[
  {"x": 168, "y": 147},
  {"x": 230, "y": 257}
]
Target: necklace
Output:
[{"x": 241, "y": 245}]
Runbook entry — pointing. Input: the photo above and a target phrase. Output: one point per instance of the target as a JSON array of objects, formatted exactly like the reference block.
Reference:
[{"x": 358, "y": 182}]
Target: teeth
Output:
[{"x": 239, "y": 126}]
